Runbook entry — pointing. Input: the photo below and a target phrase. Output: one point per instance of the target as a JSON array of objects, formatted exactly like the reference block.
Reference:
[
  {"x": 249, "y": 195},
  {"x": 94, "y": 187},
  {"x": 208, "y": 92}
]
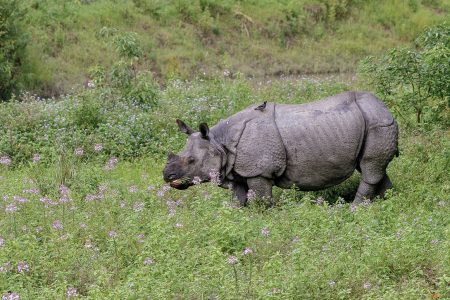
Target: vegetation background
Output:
[{"x": 90, "y": 90}]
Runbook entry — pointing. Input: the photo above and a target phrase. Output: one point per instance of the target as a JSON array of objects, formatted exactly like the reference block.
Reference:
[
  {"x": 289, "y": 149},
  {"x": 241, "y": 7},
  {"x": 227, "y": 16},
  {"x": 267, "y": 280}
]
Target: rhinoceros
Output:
[{"x": 310, "y": 146}]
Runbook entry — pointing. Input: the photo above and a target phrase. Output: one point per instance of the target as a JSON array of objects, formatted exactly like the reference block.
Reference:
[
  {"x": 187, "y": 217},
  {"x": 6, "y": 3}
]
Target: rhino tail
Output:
[{"x": 397, "y": 153}]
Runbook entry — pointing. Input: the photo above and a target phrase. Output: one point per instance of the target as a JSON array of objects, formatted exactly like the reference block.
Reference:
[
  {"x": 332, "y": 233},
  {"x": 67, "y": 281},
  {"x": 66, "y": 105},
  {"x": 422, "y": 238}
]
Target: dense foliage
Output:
[
  {"x": 13, "y": 41},
  {"x": 416, "y": 79}
]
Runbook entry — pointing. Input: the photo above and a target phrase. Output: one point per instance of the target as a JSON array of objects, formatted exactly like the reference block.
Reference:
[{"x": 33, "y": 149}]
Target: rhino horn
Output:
[{"x": 184, "y": 128}]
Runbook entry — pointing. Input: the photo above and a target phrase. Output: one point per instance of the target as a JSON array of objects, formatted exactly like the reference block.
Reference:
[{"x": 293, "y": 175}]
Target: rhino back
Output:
[{"x": 322, "y": 140}]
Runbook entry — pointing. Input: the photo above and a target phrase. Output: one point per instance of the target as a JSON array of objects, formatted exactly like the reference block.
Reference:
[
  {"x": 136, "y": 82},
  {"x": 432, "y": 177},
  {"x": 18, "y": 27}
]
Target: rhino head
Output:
[{"x": 200, "y": 156}]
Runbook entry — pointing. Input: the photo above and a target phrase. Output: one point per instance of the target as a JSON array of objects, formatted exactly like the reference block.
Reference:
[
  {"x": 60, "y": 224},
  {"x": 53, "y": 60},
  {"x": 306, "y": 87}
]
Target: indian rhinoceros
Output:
[{"x": 311, "y": 146}]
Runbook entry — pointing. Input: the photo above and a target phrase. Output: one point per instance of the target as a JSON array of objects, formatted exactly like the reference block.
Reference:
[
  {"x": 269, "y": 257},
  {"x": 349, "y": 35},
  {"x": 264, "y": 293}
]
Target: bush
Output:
[
  {"x": 136, "y": 122},
  {"x": 13, "y": 41},
  {"x": 415, "y": 79}
]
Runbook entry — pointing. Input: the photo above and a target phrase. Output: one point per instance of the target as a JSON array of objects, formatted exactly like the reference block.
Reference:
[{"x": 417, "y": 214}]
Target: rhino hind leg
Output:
[
  {"x": 368, "y": 191},
  {"x": 383, "y": 186},
  {"x": 262, "y": 187},
  {"x": 379, "y": 149},
  {"x": 365, "y": 191}
]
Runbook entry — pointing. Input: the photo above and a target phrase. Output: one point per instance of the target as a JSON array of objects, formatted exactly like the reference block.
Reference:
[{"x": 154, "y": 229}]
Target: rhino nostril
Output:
[{"x": 171, "y": 176}]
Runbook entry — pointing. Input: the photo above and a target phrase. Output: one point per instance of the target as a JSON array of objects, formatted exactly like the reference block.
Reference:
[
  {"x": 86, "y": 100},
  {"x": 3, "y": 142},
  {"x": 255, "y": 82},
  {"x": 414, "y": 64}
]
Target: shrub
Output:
[
  {"x": 415, "y": 79},
  {"x": 13, "y": 41}
]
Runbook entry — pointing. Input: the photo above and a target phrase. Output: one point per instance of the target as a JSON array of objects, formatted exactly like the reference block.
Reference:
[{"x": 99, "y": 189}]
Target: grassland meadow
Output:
[{"x": 90, "y": 91}]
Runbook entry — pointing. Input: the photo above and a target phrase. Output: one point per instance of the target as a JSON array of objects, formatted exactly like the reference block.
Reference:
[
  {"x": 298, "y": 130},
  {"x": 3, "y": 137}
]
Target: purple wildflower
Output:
[
  {"x": 214, "y": 176},
  {"x": 5, "y": 160},
  {"x": 112, "y": 234},
  {"x": 367, "y": 285},
  {"x": 102, "y": 188},
  {"x": 20, "y": 199},
  {"x": 98, "y": 147},
  {"x": 265, "y": 231},
  {"x": 140, "y": 238},
  {"x": 57, "y": 225},
  {"x": 320, "y": 201},
  {"x": 22, "y": 267},
  {"x": 63, "y": 190},
  {"x": 179, "y": 225},
  {"x": 71, "y": 292},
  {"x": 434, "y": 242},
  {"x": 83, "y": 226},
  {"x": 64, "y": 199},
  {"x": 353, "y": 207},
  {"x": 6, "y": 267},
  {"x": 2, "y": 241},
  {"x": 133, "y": 189},
  {"x": 138, "y": 206},
  {"x": 163, "y": 191},
  {"x": 90, "y": 197},
  {"x": 79, "y": 151},
  {"x": 111, "y": 164},
  {"x": 366, "y": 202},
  {"x": 31, "y": 191},
  {"x": 332, "y": 283},
  {"x": 296, "y": 239},
  {"x": 232, "y": 260},
  {"x": 251, "y": 195},
  {"x": 88, "y": 244},
  {"x": 90, "y": 84},
  {"x": 248, "y": 251},
  {"x": 36, "y": 158},
  {"x": 11, "y": 296},
  {"x": 197, "y": 180},
  {"x": 11, "y": 208},
  {"x": 149, "y": 261}
]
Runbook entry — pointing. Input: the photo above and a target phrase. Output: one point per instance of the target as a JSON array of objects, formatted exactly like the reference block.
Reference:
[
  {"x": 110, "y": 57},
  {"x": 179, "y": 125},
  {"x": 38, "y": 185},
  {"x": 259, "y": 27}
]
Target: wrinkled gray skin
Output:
[{"x": 312, "y": 146}]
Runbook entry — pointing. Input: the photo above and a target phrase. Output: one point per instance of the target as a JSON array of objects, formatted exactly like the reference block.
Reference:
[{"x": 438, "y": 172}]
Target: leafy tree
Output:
[
  {"x": 416, "y": 78},
  {"x": 13, "y": 41}
]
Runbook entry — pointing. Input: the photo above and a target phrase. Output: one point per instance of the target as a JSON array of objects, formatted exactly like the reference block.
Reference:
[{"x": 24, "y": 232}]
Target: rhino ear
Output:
[
  {"x": 184, "y": 128},
  {"x": 204, "y": 130}
]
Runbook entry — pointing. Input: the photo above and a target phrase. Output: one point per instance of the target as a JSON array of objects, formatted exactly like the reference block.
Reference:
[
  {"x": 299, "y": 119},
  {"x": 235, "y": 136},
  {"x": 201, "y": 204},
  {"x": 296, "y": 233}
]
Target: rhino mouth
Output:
[{"x": 181, "y": 183}]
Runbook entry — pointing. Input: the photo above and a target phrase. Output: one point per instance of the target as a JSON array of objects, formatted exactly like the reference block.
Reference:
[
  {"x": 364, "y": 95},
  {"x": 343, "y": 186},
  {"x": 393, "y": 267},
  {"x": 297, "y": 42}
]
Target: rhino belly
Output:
[{"x": 322, "y": 144}]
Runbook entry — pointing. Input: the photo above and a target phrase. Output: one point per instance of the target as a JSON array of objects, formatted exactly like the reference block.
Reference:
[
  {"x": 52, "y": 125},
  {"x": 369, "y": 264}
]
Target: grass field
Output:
[
  {"x": 78, "y": 222},
  {"x": 88, "y": 119},
  {"x": 180, "y": 38}
]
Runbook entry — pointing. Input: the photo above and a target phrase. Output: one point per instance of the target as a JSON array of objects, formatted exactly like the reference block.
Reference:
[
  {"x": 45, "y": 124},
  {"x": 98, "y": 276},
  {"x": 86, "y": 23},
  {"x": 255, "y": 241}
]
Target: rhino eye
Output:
[{"x": 191, "y": 159}]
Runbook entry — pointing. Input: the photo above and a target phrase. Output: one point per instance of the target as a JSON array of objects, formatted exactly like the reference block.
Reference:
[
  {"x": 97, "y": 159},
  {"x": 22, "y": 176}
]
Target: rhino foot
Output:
[{"x": 262, "y": 187}]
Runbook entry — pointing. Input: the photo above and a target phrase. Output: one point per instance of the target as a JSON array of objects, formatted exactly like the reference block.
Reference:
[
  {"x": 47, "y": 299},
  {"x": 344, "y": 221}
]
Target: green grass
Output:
[
  {"x": 180, "y": 38},
  {"x": 396, "y": 248}
]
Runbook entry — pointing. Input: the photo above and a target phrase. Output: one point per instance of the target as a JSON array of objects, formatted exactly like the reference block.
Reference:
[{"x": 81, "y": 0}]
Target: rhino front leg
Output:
[
  {"x": 240, "y": 193},
  {"x": 262, "y": 187}
]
